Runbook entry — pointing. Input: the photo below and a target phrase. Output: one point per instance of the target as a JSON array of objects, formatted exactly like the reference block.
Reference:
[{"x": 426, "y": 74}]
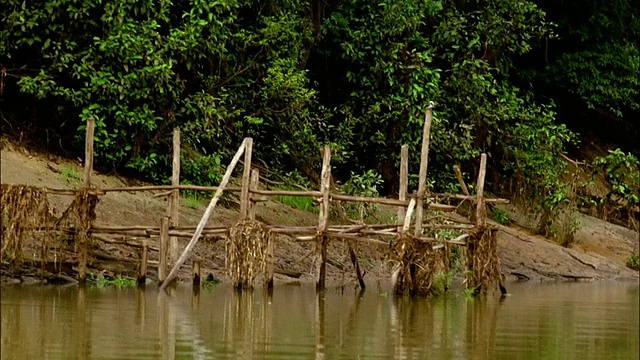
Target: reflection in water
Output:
[{"x": 590, "y": 321}]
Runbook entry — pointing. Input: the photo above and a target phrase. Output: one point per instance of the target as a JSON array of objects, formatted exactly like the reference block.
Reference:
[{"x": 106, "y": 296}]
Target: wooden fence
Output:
[{"x": 168, "y": 230}]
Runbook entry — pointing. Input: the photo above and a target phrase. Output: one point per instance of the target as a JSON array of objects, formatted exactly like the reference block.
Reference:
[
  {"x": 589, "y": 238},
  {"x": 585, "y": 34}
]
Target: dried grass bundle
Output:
[
  {"x": 482, "y": 262},
  {"x": 246, "y": 249},
  {"x": 22, "y": 207},
  {"x": 417, "y": 265},
  {"x": 79, "y": 215}
]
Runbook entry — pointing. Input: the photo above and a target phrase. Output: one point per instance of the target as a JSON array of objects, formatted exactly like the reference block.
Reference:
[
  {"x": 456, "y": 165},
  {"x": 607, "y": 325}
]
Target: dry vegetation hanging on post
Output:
[
  {"x": 417, "y": 265},
  {"x": 482, "y": 263},
  {"x": 246, "y": 250},
  {"x": 22, "y": 207}
]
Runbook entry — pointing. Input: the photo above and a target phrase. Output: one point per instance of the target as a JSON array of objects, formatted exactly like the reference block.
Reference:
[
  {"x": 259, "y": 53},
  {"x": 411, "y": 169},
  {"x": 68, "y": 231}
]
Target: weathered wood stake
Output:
[
  {"x": 404, "y": 183},
  {"x": 144, "y": 256},
  {"x": 174, "y": 199},
  {"x": 207, "y": 214},
  {"x": 422, "y": 180},
  {"x": 246, "y": 181},
  {"x": 88, "y": 152},
  {"x": 480, "y": 205},
  {"x": 356, "y": 265},
  {"x": 196, "y": 275},
  {"x": 255, "y": 179},
  {"x": 83, "y": 248},
  {"x": 463, "y": 186},
  {"x": 164, "y": 249},
  {"x": 323, "y": 220}
]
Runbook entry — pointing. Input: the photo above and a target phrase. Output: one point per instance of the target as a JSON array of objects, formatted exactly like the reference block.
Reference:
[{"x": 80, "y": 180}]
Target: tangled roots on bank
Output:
[
  {"x": 22, "y": 207},
  {"x": 246, "y": 250},
  {"x": 482, "y": 262},
  {"x": 418, "y": 266}
]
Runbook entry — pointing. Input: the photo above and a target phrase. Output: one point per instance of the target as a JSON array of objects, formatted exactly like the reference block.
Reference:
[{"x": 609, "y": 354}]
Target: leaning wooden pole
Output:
[
  {"x": 206, "y": 215},
  {"x": 83, "y": 246},
  {"x": 323, "y": 220},
  {"x": 404, "y": 183},
  {"x": 422, "y": 179},
  {"x": 174, "y": 200}
]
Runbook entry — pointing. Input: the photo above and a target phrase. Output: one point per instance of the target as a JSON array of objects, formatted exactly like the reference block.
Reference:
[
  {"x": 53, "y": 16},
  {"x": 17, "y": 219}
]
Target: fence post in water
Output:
[
  {"x": 83, "y": 251},
  {"x": 404, "y": 181},
  {"x": 174, "y": 199},
  {"x": 144, "y": 256},
  {"x": 246, "y": 181},
  {"x": 164, "y": 244},
  {"x": 196, "y": 276},
  {"x": 321, "y": 245},
  {"x": 424, "y": 160}
]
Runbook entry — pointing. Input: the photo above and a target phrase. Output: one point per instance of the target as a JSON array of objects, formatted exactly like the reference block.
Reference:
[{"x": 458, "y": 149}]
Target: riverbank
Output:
[{"x": 599, "y": 251}]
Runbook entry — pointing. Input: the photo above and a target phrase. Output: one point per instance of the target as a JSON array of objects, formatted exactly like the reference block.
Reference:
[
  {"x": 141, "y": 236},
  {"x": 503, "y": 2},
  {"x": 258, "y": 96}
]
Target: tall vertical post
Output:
[
  {"x": 480, "y": 205},
  {"x": 404, "y": 183},
  {"x": 83, "y": 246},
  {"x": 164, "y": 244},
  {"x": 88, "y": 151},
  {"x": 424, "y": 160},
  {"x": 323, "y": 220},
  {"x": 174, "y": 200},
  {"x": 255, "y": 179},
  {"x": 246, "y": 181}
]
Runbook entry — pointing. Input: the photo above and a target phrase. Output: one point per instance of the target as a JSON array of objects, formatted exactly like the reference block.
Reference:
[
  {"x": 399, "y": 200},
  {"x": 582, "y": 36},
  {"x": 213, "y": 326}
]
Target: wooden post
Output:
[
  {"x": 424, "y": 160},
  {"x": 144, "y": 256},
  {"x": 196, "y": 275},
  {"x": 246, "y": 181},
  {"x": 463, "y": 186},
  {"x": 83, "y": 248},
  {"x": 323, "y": 220},
  {"x": 480, "y": 206},
  {"x": 164, "y": 247},
  {"x": 207, "y": 214},
  {"x": 255, "y": 179},
  {"x": 404, "y": 182},
  {"x": 356, "y": 265},
  {"x": 270, "y": 266},
  {"x": 88, "y": 151},
  {"x": 174, "y": 199}
]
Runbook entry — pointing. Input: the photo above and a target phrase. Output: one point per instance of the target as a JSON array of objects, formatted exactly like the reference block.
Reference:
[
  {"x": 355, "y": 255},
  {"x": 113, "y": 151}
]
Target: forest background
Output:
[{"x": 531, "y": 83}]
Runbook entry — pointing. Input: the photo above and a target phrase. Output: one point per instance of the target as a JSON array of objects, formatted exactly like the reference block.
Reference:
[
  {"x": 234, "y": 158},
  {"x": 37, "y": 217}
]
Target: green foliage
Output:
[
  {"x": 633, "y": 262},
  {"x": 119, "y": 281},
  {"x": 69, "y": 175},
  {"x": 191, "y": 200},
  {"x": 441, "y": 283},
  {"x": 294, "y": 75},
  {"x": 365, "y": 185},
  {"x": 500, "y": 216},
  {"x": 295, "y": 181},
  {"x": 622, "y": 172}
]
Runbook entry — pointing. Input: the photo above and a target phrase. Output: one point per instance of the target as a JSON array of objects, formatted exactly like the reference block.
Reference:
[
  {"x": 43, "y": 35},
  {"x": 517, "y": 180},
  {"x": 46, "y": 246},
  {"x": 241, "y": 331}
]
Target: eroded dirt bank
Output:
[{"x": 599, "y": 251}]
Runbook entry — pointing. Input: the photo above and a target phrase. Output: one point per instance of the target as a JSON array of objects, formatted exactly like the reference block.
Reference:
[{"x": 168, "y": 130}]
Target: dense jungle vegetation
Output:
[{"x": 527, "y": 81}]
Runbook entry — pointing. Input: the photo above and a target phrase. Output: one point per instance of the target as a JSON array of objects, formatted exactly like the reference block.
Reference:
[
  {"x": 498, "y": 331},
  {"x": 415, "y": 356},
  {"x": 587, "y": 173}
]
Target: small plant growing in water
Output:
[{"x": 101, "y": 281}]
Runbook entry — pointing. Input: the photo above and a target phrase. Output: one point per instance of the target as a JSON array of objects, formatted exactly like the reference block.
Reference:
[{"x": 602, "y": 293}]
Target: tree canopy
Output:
[{"x": 508, "y": 78}]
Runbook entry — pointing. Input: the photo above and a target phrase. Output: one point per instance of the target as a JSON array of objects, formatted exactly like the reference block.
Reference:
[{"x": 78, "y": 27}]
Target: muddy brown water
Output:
[{"x": 597, "y": 320}]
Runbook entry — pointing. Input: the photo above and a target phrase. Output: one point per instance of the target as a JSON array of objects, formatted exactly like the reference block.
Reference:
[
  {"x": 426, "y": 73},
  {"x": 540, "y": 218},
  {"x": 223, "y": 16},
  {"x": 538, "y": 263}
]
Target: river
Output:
[{"x": 596, "y": 320}]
